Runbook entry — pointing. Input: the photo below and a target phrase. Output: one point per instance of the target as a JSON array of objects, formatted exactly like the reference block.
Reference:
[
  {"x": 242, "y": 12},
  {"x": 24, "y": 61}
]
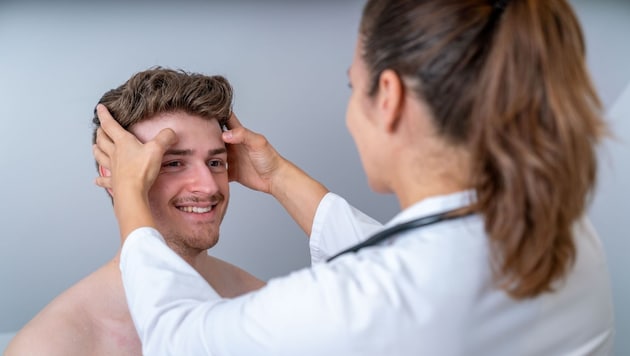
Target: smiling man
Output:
[
  {"x": 190, "y": 197},
  {"x": 188, "y": 202}
]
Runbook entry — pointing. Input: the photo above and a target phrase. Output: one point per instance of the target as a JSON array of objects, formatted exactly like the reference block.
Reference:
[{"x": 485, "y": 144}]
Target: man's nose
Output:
[{"x": 202, "y": 180}]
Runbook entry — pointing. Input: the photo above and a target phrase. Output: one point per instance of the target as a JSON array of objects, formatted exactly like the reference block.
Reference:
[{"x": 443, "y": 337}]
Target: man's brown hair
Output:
[{"x": 160, "y": 90}]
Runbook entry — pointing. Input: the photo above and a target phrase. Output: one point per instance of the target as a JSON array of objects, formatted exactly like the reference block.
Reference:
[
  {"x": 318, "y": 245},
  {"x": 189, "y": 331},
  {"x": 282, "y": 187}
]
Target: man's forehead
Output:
[{"x": 180, "y": 122}]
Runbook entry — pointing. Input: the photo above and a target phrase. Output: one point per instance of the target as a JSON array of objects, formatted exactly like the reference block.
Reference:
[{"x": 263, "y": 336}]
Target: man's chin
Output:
[{"x": 190, "y": 244}]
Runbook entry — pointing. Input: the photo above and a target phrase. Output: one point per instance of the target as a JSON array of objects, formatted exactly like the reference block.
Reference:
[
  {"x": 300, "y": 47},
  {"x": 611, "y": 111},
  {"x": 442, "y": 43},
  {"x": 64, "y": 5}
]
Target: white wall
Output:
[
  {"x": 611, "y": 214},
  {"x": 4, "y": 340},
  {"x": 287, "y": 62},
  {"x": 607, "y": 27}
]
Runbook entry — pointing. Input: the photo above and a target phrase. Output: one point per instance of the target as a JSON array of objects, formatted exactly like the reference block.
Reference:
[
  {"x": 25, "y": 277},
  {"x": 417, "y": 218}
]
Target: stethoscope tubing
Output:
[{"x": 402, "y": 227}]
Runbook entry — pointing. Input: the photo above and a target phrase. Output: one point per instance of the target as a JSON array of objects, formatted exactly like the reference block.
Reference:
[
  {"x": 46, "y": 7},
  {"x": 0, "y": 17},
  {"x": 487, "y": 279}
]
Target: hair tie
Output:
[{"x": 499, "y": 6}]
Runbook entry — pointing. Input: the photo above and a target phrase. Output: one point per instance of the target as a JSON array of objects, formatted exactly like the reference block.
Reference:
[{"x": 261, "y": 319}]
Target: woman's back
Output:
[{"x": 442, "y": 293}]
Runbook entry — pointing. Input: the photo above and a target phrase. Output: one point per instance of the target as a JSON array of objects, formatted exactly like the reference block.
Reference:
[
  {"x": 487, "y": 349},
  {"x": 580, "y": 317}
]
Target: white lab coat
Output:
[{"x": 429, "y": 291}]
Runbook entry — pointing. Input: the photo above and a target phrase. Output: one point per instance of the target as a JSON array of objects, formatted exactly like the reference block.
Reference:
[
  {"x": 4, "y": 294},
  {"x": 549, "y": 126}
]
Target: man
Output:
[{"x": 188, "y": 201}]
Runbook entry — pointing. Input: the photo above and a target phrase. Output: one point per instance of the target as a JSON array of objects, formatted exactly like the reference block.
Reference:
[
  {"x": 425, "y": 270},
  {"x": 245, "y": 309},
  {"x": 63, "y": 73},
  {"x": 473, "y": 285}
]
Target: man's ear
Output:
[
  {"x": 104, "y": 172},
  {"x": 390, "y": 99}
]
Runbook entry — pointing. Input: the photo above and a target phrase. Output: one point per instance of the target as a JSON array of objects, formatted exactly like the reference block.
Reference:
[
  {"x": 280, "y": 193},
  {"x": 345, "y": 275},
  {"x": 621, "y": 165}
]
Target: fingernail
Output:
[{"x": 227, "y": 135}]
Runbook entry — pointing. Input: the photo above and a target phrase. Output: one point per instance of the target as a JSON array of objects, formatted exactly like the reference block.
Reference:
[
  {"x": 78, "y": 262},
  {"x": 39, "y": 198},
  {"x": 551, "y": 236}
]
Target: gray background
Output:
[{"x": 287, "y": 62}]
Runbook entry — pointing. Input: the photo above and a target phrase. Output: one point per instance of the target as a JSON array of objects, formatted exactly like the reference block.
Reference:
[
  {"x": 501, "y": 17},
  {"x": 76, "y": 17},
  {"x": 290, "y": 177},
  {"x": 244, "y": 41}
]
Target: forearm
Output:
[
  {"x": 299, "y": 194},
  {"x": 132, "y": 211}
]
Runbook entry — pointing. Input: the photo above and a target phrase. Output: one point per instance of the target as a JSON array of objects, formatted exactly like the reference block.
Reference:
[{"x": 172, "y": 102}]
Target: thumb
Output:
[
  {"x": 233, "y": 122},
  {"x": 166, "y": 138},
  {"x": 234, "y": 136}
]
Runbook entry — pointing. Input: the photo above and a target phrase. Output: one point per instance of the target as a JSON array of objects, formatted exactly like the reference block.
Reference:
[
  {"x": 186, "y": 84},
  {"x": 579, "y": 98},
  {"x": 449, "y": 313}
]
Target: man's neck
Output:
[{"x": 194, "y": 257}]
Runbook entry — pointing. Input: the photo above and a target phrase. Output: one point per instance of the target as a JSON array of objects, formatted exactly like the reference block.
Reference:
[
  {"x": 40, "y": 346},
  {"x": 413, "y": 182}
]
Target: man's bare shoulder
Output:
[
  {"x": 227, "y": 279},
  {"x": 61, "y": 328},
  {"x": 72, "y": 323}
]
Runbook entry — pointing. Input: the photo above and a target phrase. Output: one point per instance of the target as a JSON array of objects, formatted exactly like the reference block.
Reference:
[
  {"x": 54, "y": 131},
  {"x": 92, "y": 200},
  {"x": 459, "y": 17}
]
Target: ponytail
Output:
[{"x": 533, "y": 143}]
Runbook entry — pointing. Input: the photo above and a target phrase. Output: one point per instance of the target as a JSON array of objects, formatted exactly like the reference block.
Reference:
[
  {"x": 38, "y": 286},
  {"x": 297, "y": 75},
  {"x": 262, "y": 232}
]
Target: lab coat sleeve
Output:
[
  {"x": 158, "y": 283},
  {"x": 177, "y": 313},
  {"x": 338, "y": 225}
]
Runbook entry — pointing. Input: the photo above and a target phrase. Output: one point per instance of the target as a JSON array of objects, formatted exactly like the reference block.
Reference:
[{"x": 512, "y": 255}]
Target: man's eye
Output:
[
  {"x": 217, "y": 165},
  {"x": 172, "y": 164}
]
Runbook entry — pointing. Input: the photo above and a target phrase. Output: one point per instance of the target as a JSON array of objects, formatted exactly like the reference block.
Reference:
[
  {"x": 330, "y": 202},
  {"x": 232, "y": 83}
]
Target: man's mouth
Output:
[{"x": 195, "y": 209}]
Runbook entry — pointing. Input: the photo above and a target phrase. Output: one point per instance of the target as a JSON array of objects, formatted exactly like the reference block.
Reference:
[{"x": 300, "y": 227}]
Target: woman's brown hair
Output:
[{"x": 507, "y": 80}]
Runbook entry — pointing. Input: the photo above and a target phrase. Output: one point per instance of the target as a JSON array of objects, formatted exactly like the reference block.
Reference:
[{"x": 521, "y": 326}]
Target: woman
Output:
[{"x": 481, "y": 118}]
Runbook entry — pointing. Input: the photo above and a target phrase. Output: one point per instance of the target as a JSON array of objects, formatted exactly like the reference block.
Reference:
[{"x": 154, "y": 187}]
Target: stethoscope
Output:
[{"x": 402, "y": 227}]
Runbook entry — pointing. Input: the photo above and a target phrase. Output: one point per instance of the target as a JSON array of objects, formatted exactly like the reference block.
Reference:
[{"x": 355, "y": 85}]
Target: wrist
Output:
[
  {"x": 132, "y": 211},
  {"x": 283, "y": 175},
  {"x": 298, "y": 193}
]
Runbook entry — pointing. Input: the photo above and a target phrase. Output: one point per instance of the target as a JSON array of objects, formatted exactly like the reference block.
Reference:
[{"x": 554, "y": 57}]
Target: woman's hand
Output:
[
  {"x": 128, "y": 169},
  {"x": 252, "y": 161}
]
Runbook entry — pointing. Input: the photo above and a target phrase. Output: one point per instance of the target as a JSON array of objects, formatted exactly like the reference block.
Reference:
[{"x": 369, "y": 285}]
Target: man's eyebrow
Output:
[
  {"x": 188, "y": 152},
  {"x": 178, "y": 152},
  {"x": 217, "y": 151}
]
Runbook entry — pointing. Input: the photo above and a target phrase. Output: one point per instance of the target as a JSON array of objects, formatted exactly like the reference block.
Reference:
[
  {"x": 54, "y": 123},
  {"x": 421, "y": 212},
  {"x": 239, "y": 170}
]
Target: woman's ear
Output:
[
  {"x": 104, "y": 172},
  {"x": 390, "y": 99}
]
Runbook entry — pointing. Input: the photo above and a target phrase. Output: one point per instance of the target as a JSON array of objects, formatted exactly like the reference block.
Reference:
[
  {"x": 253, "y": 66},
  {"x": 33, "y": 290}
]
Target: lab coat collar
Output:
[{"x": 434, "y": 205}]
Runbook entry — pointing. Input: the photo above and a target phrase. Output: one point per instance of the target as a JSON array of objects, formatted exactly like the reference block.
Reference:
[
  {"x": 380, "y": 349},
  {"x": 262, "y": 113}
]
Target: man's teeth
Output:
[{"x": 194, "y": 209}]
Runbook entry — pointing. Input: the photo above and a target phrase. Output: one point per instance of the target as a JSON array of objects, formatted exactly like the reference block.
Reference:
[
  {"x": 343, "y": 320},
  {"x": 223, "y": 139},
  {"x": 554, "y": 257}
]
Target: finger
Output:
[
  {"x": 233, "y": 122},
  {"x": 166, "y": 138},
  {"x": 231, "y": 136},
  {"x": 109, "y": 125},
  {"x": 239, "y": 135},
  {"x": 103, "y": 182},
  {"x": 104, "y": 142},
  {"x": 101, "y": 157}
]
